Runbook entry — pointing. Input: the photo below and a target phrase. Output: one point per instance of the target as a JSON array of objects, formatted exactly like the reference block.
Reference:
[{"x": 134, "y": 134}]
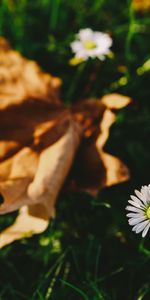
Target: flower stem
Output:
[
  {"x": 143, "y": 249},
  {"x": 74, "y": 83}
]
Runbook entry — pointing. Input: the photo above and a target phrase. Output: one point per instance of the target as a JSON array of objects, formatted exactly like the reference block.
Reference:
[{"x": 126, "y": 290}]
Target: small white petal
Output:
[
  {"x": 140, "y": 195},
  {"x": 136, "y": 204},
  {"x": 139, "y": 227},
  {"x": 135, "y": 215},
  {"x": 85, "y": 34},
  {"x": 149, "y": 191},
  {"x": 101, "y": 57},
  {"x": 82, "y": 54},
  {"x": 145, "y": 230},
  {"x": 76, "y": 46},
  {"x": 144, "y": 191},
  {"x": 132, "y": 208},
  {"x": 144, "y": 196},
  {"x": 134, "y": 198},
  {"x": 103, "y": 40},
  {"x": 134, "y": 221}
]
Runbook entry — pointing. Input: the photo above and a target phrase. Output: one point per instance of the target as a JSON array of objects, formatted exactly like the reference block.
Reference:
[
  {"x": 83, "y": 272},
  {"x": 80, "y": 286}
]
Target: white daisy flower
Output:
[
  {"x": 139, "y": 215},
  {"x": 92, "y": 44}
]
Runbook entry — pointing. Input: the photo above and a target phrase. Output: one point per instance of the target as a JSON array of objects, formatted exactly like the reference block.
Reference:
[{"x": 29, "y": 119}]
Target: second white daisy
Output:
[
  {"x": 139, "y": 215},
  {"x": 91, "y": 44}
]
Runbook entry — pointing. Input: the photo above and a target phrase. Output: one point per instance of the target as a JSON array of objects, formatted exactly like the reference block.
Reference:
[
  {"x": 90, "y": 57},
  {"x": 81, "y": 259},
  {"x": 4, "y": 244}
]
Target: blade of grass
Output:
[
  {"x": 130, "y": 34},
  {"x": 55, "y": 8},
  {"x": 77, "y": 289}
]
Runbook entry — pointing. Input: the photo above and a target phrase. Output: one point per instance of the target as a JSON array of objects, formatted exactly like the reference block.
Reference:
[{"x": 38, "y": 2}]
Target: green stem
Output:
[
  {"x": 143, "y": 249},
  {"x": 55, "y": 5},
  {"x": 74, "y": 83},
  {"x": 130, "y": 34}
]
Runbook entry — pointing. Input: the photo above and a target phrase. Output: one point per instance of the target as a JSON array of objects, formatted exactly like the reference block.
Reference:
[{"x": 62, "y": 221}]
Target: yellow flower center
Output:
[
  {"x": 148, "y": 212},
  {"x": 89, "y": 44}
]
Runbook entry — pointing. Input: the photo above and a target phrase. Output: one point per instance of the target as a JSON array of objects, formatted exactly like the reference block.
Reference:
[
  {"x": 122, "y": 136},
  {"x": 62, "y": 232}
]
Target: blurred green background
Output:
[{"x": 88, "y": 252}]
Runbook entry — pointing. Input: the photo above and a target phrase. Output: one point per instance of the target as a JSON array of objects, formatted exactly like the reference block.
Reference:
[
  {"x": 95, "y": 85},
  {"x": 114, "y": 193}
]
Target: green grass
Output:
[{"x": 88, "y": 252}]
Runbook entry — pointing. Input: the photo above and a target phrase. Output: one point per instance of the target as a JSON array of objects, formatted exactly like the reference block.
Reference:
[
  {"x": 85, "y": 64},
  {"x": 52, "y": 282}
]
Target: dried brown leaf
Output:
[
  {"x": 37, "y": 177},
  {"x": 116, "y": 171},
  {"x": 24, "y": 226},
  {"x": 21, "y": 79},
  {"x": 39, "y": 138},
  {"x": 115, "y": 101},
  {"x": 93, "y": 168}
]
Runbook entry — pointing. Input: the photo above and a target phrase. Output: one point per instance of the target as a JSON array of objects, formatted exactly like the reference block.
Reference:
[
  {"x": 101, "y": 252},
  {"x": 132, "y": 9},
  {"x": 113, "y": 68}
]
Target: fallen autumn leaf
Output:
[{"x": 39, "y": 139}]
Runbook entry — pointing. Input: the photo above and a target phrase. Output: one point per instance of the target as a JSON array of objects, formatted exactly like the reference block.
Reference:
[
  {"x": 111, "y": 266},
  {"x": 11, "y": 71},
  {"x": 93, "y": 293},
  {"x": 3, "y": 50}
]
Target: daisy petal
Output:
[
  {"x": 76, "y": 46},
  {"x": 132, "y": 208},
  {"x": 136, "y": 204},
  {"x": 134, "y": 221},
  {"x": 144, "y": 191},
  {"x": 85, "y": 34},
  {"x": 135, "y": 199},
  {"x": 139, "y": 227},
  {"x": 140, "y": 195},
  {"x": 145, "y": 230},
  {"x": 135, "y": 215}
]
